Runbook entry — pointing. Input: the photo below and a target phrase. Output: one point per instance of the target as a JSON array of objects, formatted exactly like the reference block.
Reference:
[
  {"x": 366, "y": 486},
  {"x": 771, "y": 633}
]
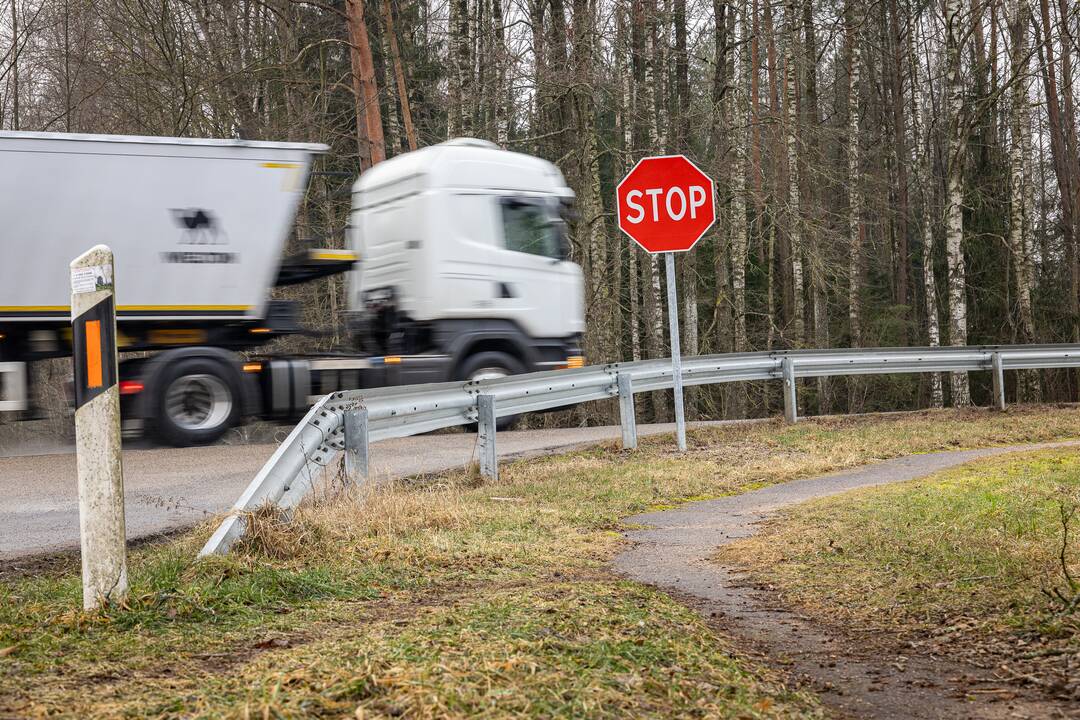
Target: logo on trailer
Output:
[{"x": 199, "y": 227}]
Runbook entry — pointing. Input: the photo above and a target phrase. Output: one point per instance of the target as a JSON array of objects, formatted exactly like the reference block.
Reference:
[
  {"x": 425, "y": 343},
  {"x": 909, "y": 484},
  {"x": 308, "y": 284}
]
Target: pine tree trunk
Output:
[{"x": 368, "y": 116}]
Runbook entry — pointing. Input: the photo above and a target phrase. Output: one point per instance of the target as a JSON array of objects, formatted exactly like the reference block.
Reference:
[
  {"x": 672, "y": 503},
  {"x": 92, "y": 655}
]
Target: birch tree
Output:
[
  {"x": 956, "y": 151},
  {"x": 1020, "y": 185}
]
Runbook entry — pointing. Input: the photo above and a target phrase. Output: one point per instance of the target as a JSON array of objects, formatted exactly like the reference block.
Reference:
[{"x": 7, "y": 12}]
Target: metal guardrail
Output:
[{"x": 351, "y": 420}]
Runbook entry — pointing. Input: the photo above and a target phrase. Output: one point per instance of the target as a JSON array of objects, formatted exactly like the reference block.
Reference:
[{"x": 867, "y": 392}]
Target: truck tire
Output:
[
  {"x": 196, "y": 402},
  {"x": 490, "y": 365}
]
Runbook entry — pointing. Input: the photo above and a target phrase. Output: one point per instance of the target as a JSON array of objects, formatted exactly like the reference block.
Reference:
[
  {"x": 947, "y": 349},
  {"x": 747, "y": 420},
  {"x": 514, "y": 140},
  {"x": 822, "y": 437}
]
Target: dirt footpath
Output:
[{"x": 857, "y": 674}]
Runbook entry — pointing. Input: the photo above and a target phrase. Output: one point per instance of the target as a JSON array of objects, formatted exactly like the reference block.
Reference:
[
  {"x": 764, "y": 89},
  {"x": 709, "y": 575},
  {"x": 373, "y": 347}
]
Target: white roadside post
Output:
[
  {"x": 97, "y": 429},
  {"x": 666, "y": 204},
  {"x": 676, "y": 359}
]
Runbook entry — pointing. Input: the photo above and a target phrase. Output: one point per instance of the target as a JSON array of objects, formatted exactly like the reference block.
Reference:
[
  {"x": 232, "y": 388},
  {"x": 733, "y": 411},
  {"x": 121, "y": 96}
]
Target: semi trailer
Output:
[{"x": 457, "y": 257}]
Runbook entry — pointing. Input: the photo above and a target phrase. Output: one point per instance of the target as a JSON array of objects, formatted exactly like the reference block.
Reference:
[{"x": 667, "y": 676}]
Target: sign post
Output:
[
  {"x": 665, "y": 204},
  {"x": 97, "y": 429}
]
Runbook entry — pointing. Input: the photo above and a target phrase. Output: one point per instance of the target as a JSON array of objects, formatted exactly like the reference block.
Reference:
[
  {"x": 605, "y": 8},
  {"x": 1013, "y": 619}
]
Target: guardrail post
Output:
[
  {"x": 998, "y": 372},
  {"x": 791, "y": 408},
  {"x": 98, "y": 459},
  {"x": 489, "y": 459},
  {"x": 627, "y": 418},
  {"x": 356, "y": 445}
]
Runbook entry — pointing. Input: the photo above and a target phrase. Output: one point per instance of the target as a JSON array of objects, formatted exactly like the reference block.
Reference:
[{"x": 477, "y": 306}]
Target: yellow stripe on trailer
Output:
[
  {"x": 333, "y": 255},
  {"x": 130, "y": 308}
]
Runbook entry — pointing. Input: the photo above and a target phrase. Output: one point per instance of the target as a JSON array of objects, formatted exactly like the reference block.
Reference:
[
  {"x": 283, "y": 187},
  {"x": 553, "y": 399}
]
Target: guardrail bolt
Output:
[
  {"x": 627, "y": 418},
  {"x": 485, "y": 425},
  {"x": 356, "y": 445}
]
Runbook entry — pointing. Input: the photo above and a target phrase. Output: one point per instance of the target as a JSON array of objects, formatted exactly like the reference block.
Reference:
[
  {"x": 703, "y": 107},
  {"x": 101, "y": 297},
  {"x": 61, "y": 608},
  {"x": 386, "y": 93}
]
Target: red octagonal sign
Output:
[{"x": 666, "y": 203}]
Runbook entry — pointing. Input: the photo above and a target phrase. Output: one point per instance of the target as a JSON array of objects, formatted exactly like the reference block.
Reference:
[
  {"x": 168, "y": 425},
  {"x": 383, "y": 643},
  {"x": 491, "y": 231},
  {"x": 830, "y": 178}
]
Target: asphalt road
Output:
[{"x": 167, "y": 489}]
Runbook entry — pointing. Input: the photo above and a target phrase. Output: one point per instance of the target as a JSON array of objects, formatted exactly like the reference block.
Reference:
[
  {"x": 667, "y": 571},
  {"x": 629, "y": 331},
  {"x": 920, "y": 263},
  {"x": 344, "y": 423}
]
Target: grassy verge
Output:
[
  {"x": 450, "y": 598},
  {"x": 979, "y": 563}
]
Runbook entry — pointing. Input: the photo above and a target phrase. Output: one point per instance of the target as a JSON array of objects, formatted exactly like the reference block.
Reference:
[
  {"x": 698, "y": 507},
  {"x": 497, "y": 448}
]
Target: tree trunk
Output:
[
  {"x": 501, "y": 111},
  {"x": 921, "y": 162},
  {"x": 399, "y": 76},
  {"x": 369, "y": 130},
  {"x": 854, "y": 174},
  {"x": 737, "y": 242},
  {"x": 900, "y": 154},
  {"x": 1020, "y": 209},
  {"x": 742, "y": 165},
  {"x": 15, "y": 114},
  {"x": 813, "y": 177},
  {"x": 954, "y": 198},
  {"x": 794, "y": 198},
  {"x": 460, "y": 69}
]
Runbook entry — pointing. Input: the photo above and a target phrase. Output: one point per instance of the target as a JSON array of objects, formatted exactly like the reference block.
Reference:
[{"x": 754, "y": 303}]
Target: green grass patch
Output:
[
  {"x": 446, "y": 597},
  {"x": 981, "y": 561}
]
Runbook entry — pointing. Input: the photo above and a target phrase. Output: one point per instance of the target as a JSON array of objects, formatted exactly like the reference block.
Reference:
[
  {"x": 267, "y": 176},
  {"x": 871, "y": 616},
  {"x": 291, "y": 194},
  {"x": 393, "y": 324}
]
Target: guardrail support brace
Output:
[
  {"x": 627, "y": 418},
  {"x": 791, "y": 408},
  {"x": 999, "y": 380},
  {"x": 489, "y": 459},
  {"x": 356, "y": 445}
]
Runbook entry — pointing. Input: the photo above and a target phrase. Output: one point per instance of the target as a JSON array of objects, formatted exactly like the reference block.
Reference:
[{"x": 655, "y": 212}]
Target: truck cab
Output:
[{"x": 464, "y": 254}]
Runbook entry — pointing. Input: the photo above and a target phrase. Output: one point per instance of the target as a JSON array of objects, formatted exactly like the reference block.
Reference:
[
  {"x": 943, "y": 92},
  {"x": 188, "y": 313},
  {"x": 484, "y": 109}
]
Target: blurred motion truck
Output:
[{"x": 457, "y": 256}]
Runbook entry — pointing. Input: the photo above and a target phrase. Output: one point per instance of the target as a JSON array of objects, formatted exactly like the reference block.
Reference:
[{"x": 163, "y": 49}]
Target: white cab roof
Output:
[{"x": 466, "y": 163}]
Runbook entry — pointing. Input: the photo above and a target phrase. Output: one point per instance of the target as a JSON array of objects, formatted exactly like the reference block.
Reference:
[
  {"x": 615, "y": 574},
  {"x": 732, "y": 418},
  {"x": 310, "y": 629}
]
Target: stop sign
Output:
[{"x": 666, "y": 203}]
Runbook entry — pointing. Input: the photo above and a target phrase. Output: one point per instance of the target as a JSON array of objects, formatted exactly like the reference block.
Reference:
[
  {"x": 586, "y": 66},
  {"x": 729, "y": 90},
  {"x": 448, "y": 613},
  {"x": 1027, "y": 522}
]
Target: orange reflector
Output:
[
  {"x": 392, "y": 360},
  {"x": 575, "y": 361},
  {"x": 131, "y": 387},
  {"x": 94, "y": 377},
  {"x": 252, "y": 367},
  {"x": 259, "y": 331}
]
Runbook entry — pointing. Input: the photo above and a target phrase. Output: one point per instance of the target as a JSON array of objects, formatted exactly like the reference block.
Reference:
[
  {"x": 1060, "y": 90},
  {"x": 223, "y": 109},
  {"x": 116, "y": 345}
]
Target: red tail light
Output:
[{"x": 131, "y": 387}]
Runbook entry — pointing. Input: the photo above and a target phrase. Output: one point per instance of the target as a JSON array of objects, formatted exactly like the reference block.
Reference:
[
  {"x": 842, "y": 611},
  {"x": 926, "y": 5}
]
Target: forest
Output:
[{"x": 888, "y": 173}]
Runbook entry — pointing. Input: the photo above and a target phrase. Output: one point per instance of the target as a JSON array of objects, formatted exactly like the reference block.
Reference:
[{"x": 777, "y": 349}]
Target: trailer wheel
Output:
[
  {"x": 489, "y": 366},
  {"x": 197, "y": 402}
]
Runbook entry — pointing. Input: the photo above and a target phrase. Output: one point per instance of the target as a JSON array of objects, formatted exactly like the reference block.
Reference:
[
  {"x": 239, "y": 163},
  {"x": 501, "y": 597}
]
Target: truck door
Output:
[{"x": 536, "y": 286}]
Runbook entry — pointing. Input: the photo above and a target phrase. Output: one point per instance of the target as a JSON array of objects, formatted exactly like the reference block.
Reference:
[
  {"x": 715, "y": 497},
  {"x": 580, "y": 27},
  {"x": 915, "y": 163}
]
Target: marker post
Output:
[{"x": 97, "y": 429}]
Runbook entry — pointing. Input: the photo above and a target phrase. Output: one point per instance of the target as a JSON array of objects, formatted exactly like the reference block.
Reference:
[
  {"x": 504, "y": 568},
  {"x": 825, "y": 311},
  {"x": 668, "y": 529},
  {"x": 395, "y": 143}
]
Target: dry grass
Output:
[
  {"x": 447, "y": 597},
  {"x": 972, "y": 563}
]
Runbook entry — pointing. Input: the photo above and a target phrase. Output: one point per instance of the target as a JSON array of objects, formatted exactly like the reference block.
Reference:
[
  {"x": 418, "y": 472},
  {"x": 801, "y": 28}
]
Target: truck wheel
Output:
[
  {"x": 489, "y": 366},
  {"x": 197, "y": 402}
]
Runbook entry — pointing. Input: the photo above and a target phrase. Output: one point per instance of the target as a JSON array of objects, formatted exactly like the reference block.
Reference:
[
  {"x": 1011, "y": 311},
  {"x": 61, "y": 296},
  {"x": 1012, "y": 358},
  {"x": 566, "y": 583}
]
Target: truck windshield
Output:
[{"x": 532, "y": 228}]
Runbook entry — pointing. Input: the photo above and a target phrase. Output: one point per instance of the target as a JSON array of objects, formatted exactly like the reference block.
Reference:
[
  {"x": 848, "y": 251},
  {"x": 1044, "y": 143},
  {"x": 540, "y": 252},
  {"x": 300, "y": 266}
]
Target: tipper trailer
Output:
[{"x": 457, "y": 255}]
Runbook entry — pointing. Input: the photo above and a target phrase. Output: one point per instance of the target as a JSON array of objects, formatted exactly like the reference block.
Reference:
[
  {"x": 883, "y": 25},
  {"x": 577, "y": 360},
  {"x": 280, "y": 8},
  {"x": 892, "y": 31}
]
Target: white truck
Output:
[{"x": 457, "y": 255}]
